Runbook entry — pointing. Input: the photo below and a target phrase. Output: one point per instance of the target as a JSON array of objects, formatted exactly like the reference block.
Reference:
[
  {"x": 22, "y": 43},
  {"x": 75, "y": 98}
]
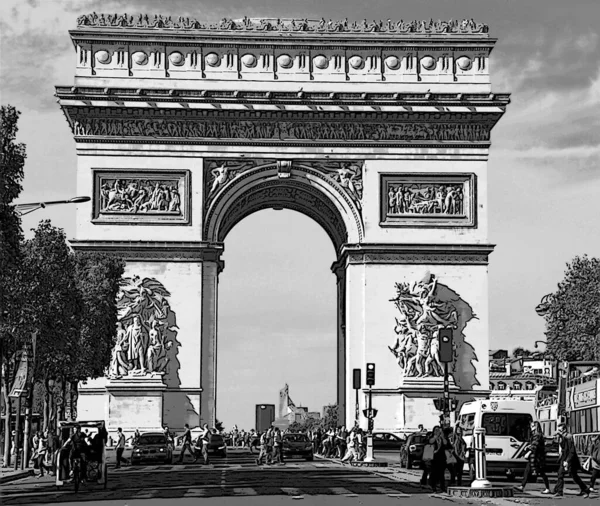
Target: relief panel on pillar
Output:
[
  {"x": 423, "y": 308},
  {"x": 428, "y": 200},
  {"x": 142, "y": 197}
]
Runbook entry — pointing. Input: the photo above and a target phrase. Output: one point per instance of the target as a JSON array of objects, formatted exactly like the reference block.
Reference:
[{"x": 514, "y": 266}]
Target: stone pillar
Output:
[
  {"x": 211, "y": 267},
  {"x": 342, "y": 388}
]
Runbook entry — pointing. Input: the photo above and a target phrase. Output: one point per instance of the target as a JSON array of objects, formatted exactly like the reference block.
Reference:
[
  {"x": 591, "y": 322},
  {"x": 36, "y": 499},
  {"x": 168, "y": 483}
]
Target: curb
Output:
[{"x": 17, "y": 476}]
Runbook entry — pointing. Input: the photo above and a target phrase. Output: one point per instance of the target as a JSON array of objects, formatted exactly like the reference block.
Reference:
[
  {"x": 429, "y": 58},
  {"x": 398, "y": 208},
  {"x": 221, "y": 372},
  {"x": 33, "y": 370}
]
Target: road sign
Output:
[{"x": 370, "y": 413}]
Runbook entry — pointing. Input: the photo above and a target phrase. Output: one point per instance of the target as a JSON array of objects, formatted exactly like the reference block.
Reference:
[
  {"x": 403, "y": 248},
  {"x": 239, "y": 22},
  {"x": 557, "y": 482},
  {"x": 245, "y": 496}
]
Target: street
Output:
[{"x": 236, "y": 478}]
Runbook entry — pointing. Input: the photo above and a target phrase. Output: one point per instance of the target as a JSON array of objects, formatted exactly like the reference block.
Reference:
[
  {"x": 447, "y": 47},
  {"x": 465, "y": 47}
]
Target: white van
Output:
[{"x": 507, "y": 425}]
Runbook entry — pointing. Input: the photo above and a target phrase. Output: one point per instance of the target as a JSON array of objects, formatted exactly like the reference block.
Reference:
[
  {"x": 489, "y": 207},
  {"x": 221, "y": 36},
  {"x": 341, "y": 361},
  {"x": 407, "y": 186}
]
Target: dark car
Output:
[
  {"x": 387, "y": 441},
  {"x": 152, "y": 446},
  {"x": 297, "y": 445},
  {"x": 217, "y": 445},
  {"x": 412, "y": 451}
]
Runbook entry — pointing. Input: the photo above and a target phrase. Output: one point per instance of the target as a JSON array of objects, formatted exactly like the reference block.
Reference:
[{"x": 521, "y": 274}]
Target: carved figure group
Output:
[
  {"x": 139, "y": 196},
  {"x": 282, "y": 130},
  {"x": 295, "y": 25},
  {"x": 348, "y": 175},
  {"x": 222, "y": 174},
  {"x": 144, "y": 324},
  {"x": 418, "y": 198},
  {"x": 422, "y": 315}
]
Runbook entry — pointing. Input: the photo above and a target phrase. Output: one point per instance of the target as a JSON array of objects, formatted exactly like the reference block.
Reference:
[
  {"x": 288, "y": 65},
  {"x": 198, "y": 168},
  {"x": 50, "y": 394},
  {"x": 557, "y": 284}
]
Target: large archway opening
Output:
[{"x": 277, "y": 316}]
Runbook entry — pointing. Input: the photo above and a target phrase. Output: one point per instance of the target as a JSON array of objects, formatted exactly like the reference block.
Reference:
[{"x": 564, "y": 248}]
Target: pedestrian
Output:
[
  {"x": 271, "y": 444},
  {"x": 264, "y": 452},
  {"x": 460, "y": 451},
  {"x": 42, "y": 450},
  {"x": 205, "y": 436},
  {"x": 595, "y": 462},
  {"x": 537, "y": 458},
  {"x": 450, "y": 457},
  {"x": 120, "y": 448},
  {"x": 427, "y": 458},
  {"x": 568, "y": 463},
  {"x": 187, "y": 444},
  {"x": 278, "y": 447},
  {"x": 439, "y": 462},
  {"x": 351, "y": 453},
  {"x": 136, "y": 436}
]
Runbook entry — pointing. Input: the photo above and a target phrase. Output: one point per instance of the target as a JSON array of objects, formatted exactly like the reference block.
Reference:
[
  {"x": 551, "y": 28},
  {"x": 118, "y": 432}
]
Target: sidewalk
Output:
[{"x": 8, "y": 474}]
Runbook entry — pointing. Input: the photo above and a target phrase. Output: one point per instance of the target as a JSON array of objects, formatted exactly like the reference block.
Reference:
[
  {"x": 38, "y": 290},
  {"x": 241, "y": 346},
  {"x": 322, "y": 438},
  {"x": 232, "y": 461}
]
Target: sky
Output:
[{"x": 277, "y": 296}]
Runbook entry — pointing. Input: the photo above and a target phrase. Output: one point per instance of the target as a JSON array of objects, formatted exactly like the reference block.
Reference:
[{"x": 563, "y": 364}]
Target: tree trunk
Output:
[
  {"x": 46, "y": 405},
  {"x": 7, "y": 414},
  {"x": 27, "y": 431},
  {"x": 64, "y": 399}
]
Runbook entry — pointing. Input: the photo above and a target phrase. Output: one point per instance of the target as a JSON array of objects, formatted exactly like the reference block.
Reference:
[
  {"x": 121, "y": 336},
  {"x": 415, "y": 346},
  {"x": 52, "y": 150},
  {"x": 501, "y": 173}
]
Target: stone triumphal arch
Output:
[{"x": 378, "y": 131}]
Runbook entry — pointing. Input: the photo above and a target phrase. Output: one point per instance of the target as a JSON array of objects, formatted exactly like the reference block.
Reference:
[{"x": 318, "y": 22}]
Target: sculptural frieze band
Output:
[{"x": 160, "y": 129}]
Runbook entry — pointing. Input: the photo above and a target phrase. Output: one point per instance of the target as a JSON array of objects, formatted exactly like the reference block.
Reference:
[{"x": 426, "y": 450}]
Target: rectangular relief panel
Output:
[
  {"x": 141, "y": 197},
  {"x": 428, "y": 200}
]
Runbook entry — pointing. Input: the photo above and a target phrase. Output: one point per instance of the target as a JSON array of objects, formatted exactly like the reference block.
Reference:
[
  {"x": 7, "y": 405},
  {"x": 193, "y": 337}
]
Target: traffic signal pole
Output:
[
  {"x": 446, "y": 396},
  {"x": 369, "y": 457}
]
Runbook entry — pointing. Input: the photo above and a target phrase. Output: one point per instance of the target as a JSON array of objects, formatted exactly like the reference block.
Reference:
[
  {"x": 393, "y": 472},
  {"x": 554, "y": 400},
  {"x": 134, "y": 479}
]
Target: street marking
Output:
[
  {"x": 341, "y": 491},
  {"x": 291, "y": 491},
  {"x": 244, "y": 491},
  {"x": 196, "y": 492}
]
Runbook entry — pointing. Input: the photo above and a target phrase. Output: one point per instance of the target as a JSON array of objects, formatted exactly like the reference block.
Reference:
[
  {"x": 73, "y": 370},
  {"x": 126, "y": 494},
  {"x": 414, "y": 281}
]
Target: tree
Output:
[
  {"x": 520, "y": 352},
  {"x": 12, "y": 162},
  {"x": 572, "y": 313}
]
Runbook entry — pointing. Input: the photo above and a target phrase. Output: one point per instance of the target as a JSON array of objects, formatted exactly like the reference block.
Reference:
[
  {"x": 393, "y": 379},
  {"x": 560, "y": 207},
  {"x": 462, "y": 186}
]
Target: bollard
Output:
[
  {"x": 481, "y": 480},
  {"x": 369, "y": 456}
]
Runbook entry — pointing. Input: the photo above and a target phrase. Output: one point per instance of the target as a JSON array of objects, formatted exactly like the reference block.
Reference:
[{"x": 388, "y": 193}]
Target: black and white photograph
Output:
[{"x": 341, "y": 252}]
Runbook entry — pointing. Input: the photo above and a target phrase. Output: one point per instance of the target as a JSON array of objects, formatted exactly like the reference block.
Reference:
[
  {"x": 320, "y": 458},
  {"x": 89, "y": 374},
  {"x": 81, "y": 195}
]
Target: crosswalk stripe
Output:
[
  {"x": 342, "y": 491},
  {"x": 291, "y": 491},
  {"x": 389, "y": 491},
  {"x": 195, "y": 492},
  {"x": 244, "y": 491}
]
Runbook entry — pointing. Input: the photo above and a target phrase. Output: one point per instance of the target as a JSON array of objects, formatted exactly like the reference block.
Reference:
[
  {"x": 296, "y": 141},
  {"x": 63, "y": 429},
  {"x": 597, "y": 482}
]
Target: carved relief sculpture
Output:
[
  {"x": 428, "y": 200},
  {"x": 145, "y": 336},
  {"x": 425, "y": 307},
  {"x": 286, "y": 25},
  {"x": 348, "y": 175},
  {"x": 141, "y": 196}
]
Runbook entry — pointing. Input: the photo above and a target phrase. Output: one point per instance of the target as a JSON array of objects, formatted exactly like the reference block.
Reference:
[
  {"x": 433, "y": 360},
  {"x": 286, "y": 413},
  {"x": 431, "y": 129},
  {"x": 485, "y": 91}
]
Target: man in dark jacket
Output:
[{"x": 568, "y": 463}]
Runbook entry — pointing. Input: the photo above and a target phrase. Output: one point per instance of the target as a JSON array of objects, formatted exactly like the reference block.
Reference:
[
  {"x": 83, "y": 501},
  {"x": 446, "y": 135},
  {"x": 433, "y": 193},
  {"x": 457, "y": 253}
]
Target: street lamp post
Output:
[{"x": 23, "y": 209}]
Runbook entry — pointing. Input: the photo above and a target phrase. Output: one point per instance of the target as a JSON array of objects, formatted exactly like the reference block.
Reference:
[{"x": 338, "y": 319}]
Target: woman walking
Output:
[
  {"x": 595, "y": 462},
  {"x": 459, "y": 450},
  {"x": 439, "y": 462},
  {"x": 537, "y": 458},
  {"x": 42, "y": 449}
]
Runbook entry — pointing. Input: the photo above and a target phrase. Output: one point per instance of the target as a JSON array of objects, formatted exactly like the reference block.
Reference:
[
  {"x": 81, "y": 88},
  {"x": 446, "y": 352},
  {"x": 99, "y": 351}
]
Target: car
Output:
[
  {"x": 387, "y": 441},
  {"x": 297, "y": 445},
  {"x": 412, "y": 450},
  {"x": 217, "y": 445},
  {"x": 152, "y": 446}
]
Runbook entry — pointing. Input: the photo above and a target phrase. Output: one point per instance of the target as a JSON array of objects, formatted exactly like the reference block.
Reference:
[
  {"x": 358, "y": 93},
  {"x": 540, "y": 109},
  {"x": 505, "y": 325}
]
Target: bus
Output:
[
  {"x": 582, "y": 404},
  {"x": 507, "y": 423}
]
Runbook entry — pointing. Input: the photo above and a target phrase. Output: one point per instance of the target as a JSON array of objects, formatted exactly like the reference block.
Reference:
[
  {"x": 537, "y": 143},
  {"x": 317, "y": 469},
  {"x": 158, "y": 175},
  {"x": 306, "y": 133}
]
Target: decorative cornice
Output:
[
  {"x": 427, "y": 254},
  {"x": 289, "y": 26},
  {"x": 441, "y": 100},
  {"x": 154, "y": 251}
]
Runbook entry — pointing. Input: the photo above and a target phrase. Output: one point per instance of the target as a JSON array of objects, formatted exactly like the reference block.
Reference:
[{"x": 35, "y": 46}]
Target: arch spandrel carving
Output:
[{"x": 329, "y": 192}]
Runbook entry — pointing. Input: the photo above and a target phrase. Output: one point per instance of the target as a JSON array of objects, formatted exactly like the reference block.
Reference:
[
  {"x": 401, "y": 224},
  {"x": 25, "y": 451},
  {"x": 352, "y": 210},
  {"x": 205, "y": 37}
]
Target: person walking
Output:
[
  {"x": 595, "y": 462},
  {"x": 427, "y": 459},
  {"x": 439, "y": 462},
  {"x": 120, "y": 448},
  {"x": 568, "y": 463},
  {"x": 42, "y": 450},
  {"x": 204, "y": 440},
  {"x": 278, "y": 447},
  {"x": 264, "y": 452},
  {"x": 537, "y": 458},
  {"x": 351, "y": 453},
  {"x": 460, "y": 452},
  {"x": 187, "y": 444}
]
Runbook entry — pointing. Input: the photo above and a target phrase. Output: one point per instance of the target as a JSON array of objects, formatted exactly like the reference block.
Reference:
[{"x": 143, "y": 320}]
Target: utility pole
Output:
[
  {"x": 370, "y": 413},
  {"x": 446, "y": 356},
  {"x": 356, "y": 386}
]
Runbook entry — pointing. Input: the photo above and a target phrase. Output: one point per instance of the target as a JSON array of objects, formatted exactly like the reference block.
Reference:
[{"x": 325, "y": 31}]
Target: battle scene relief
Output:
[{"x": 425, "y": 307}]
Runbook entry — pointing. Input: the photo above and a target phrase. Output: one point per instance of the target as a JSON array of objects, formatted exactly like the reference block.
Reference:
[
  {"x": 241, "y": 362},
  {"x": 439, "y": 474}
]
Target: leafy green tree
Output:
[
  {"x": 520, "y": 352},
  {"x": 12, "y": 162},
  {"x": 572, "y": 313}
]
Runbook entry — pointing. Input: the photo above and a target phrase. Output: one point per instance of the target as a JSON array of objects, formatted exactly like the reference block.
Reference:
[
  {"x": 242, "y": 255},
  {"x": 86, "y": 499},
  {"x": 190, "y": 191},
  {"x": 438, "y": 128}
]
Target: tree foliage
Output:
[
  {"x": 520, "y": 352},
  {"x": 572, "y": 313}
]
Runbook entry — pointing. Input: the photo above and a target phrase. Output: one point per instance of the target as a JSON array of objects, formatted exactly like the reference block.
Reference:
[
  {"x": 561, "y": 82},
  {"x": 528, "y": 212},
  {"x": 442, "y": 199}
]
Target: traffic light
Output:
[
  {"x": 439, "y": 403},
  {"x": 371, "y": 425},
  {"x": 453, "y": 404},
  {"x": 356, "y": 379},
  {"x": 446, "y": 351},
  {"x": 370, "y": 374}
]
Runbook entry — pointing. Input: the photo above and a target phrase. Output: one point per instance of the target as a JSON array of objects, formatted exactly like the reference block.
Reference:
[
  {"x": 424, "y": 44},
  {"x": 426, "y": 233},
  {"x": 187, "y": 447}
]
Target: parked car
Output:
[
  {"x": 387, "y": 441},
  {"x": 412, "y": 451},
  {"x": 297, "y": 445},
  {"x": 152, "y": 446}
]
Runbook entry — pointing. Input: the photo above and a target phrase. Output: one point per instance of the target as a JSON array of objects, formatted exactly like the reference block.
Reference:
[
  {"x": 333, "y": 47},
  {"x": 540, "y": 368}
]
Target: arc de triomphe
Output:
[{"x": 380, "y": 132}]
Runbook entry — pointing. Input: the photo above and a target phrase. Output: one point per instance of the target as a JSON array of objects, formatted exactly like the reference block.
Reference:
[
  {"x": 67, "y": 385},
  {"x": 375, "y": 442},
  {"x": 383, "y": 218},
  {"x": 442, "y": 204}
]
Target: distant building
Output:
[
  {"x": 315, "y": 415},
  {"x": 498, "y": 354},
  {"x": 523, "y": 374}
]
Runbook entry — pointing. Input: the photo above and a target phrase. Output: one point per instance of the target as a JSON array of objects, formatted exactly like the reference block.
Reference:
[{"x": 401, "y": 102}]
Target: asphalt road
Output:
[{"x": 237, "y": 479}]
